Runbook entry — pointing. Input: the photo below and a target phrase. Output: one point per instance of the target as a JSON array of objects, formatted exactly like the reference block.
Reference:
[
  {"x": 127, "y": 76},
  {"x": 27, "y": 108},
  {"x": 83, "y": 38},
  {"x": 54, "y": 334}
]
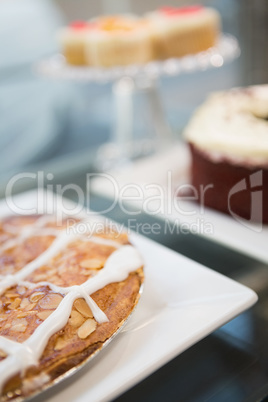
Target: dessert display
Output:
[
  {"x": 73, "y": 42},
  {"x": 119, "y": 40},
  {"x": 178, "y": 31},
  {"x": 228, "y": 139},
  {"x": 65, "y": 291}
]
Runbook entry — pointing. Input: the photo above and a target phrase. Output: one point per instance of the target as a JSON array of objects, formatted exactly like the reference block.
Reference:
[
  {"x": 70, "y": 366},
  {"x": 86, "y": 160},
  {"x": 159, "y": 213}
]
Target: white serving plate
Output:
[
  {"x": 169, "y": 170},
  {"x": 182, "y": 302}
]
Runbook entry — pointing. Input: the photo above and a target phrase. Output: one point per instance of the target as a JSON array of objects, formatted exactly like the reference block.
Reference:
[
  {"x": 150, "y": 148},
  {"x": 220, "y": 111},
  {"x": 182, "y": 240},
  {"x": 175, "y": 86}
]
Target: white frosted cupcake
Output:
[{"x": 228, "y": 140}]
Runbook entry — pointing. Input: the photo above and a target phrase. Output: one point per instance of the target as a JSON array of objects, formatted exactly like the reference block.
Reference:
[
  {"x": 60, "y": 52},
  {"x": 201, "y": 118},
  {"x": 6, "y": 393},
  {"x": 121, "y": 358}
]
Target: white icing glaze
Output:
[
  {"x": 231, "y": 124},
  {"x": 24, "y": 236},
  {"x": 117, "y": 268},
  {"x": 59, "y": 243},
  {"x": 28, "y": 231}
]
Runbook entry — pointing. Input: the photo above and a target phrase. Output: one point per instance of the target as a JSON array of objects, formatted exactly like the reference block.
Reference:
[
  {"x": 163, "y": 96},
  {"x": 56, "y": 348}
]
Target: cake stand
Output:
[{"x": 128, "y": 142}]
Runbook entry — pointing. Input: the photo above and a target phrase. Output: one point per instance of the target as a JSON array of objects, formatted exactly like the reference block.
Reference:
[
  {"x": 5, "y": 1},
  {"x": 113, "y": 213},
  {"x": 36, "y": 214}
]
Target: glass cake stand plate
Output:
[
  {"x": 182, "y": 302},
  {"x": 225, "y": 50},
  {"x": 129, "y": 140}
]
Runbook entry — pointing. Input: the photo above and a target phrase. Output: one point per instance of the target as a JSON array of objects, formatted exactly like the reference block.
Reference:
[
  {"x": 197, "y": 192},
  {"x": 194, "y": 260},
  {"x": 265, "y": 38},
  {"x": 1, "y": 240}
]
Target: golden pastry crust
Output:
[{"x": 23, "y": 309}]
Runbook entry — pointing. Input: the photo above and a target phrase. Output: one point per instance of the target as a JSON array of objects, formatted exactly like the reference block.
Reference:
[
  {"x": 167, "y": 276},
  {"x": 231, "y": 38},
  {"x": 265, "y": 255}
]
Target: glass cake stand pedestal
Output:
[{"x": 136, "y": 98}]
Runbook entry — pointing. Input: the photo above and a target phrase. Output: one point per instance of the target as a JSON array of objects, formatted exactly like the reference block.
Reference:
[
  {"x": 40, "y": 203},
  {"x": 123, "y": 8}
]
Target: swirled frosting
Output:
[{"x": 233, "y": 125}]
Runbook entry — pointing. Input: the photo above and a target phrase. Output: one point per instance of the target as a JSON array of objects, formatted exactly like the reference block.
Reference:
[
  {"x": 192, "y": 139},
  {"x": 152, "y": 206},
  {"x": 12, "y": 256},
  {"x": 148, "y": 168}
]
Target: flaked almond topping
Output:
[
  {"x": 11, "y": 295},
  {"x": 61, "y": 343},
  {"x": 87, "y": 272},
  {"x": 15, "y": 304},
  {"x": 52, "y": 271},
  {"x": 19, "y": 328},
  {"x": 44, "y": 314},
  {"x": 56, "y": 280},
  {"x": 82, "y": 307},
  {"x": 8, "y": 325},
  {"x": 19, "y": 325},
  {"x": 25, "y": 302},
  {"x": 62, "y": 269},
  {"x": 30, "y": 306},
  {"x": 50, "y": 301},
  {"x": 36, "y": 296},
  {"x": 91, "y": 263},
  {"x": 87, "y": 328},
  {"x": 21, "y": 290},
  {"x": 40, "y": 277},
  {"x": 24, "y": 314},
  {"x": 76, "y": 319}
]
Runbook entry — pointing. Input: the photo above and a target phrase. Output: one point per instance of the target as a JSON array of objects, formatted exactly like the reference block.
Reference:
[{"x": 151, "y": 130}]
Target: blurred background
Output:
[{"x": 56, "y": 125}]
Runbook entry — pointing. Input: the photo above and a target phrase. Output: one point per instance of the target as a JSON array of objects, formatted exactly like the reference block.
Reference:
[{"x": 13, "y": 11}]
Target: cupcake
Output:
[{"x": 228, "y": 139}]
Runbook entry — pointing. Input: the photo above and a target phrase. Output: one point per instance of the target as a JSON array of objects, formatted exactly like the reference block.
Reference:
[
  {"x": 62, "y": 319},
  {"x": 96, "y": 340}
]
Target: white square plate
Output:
[
  {"x": 168, "y": 170},
  {"x": 182, "y": 302}
]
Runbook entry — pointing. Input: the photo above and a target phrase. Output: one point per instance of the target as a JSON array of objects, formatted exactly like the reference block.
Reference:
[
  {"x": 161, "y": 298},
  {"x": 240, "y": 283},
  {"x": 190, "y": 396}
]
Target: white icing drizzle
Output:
[
  {"x": 97, "y": 312},
  {"x": 28, "y": 231},
  {"x": 59, "y": 243},
  {"x": 24, "y": 236},
  {"x": 119, "y": 264}
]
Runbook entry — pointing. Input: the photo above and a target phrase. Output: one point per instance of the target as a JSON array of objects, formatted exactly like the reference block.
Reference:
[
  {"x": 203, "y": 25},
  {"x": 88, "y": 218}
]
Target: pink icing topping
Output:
[
  {"x": 174, "y": 11},
  {"x": 80, "y": 25}
]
